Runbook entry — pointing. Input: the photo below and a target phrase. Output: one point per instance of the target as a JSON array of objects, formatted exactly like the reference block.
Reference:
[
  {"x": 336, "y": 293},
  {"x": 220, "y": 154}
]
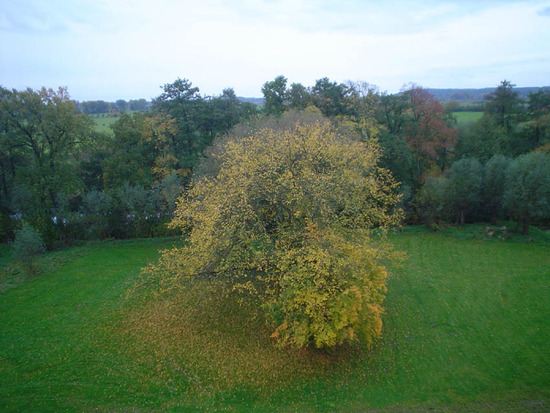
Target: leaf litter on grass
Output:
[{"x": 221, "y": 342}]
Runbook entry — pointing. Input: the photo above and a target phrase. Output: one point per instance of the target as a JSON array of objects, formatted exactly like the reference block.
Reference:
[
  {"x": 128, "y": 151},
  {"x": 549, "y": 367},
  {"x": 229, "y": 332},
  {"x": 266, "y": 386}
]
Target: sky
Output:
[{"x": 128, "y": 49}]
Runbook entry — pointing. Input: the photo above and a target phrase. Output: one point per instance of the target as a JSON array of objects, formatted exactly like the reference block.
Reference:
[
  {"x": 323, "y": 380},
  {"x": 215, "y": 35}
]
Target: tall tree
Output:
[
  {"x": 392, "y": 112},
  {"x": 504, "y": 105},
  {"x": 427, "y": 131},
  {"x": 132, "y": 155},
  {"x": 299, "y": 96},
  {"x": 182, "y": 101},
  {"x": 464, "y": 185},
  {"x": 331, "y": 97},
  {"x": 362, "y": 102},
  {"x": 46, "y": 133},
  {"x": 275, "y": 95}
]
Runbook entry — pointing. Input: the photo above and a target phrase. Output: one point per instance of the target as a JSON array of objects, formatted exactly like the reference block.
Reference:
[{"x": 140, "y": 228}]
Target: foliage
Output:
[
  {"x": 6, "y": 227},
  {"x": 538, "y": 111},
  {"x": 504, "y": 105},
  {"x": 494, "y": 185},
  {"x": 197, "y": 121},
  {"x": 97, "y": 210},
  {"x": 527, "y": 196},
  {"x": 464, "y": 186},
  {"x": 51, "y": 157},
  {"x": 427, "y": 131},
  {"x": 432, "y": 200},
  {"x": 331, "y": 97},
  {"x": 298, "y": 96},
  {"x": 482, "y": 140},
  {"x": 275, "y": 95},
  {"x": 132, "y": 154},
  {"x": 276, "y": 221},
  {"x": 27, "y": 246},
  {"x": 41, "y": 136},
  {"x": 503, "y": 128},
  {"x": 417, "y": 129}
]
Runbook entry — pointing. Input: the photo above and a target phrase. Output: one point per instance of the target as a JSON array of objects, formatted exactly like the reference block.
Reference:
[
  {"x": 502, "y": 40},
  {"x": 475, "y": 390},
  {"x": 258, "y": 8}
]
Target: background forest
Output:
[{"x": 97, "y": 170}]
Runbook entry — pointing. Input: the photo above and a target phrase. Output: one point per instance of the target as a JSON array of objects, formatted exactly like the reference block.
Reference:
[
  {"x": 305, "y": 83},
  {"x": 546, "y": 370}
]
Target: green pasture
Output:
[
  {"x": 466, "y": 328},
  {"x": 103, "y": 123},
  {"x": 465, "y": 118}
]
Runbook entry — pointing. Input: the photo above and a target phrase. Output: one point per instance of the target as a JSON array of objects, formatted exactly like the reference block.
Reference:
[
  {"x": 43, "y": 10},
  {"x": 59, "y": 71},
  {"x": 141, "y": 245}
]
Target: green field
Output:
[
  {"x": 465, "y": 118},
  {"x": 103, "y": 123},
  {"x": 466, "y": 328}
]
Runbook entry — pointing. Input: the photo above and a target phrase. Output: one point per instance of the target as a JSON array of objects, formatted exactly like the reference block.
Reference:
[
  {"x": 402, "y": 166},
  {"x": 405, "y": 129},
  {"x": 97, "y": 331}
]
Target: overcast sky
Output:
[{"x": 112, "y": 49}]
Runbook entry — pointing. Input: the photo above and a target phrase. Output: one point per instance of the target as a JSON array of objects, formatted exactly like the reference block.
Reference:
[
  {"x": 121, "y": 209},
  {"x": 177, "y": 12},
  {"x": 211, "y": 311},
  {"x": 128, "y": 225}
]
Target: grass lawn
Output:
[{"x": 466, "y": 328}]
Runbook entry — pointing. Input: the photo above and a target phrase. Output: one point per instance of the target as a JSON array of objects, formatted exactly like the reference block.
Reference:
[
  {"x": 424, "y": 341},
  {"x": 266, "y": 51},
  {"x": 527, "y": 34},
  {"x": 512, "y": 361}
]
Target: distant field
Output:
[
  {"x": 466, "y": 329},
  {"x": 464, "y": 118},
  {"x": 103, "y": 123}
]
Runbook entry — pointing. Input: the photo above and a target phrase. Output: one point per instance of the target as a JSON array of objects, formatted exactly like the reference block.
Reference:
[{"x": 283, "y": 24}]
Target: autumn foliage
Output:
[{"x": 286, "y": 217}]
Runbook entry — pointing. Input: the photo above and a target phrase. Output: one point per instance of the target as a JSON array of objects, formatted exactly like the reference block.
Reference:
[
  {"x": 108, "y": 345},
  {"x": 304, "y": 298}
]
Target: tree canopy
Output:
[{"x": 287, "y": 217}]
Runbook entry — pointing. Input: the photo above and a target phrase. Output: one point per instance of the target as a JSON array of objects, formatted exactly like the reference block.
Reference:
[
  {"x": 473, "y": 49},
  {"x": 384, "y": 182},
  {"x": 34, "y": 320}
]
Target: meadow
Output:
[
  {"x": 466, "y": 329},
  {"x": 103, "y": 123},
  {"x": 465, "y": 118}
]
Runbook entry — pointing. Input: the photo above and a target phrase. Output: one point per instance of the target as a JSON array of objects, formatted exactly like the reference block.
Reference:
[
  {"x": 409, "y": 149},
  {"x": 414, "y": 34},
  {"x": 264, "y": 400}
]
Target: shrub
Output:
[{"x": 27, "y": 246}]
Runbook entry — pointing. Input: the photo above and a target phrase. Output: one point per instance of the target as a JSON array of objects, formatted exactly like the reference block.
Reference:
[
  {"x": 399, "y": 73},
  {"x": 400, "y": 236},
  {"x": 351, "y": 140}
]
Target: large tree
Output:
[
  {"x": 275, "y": 95},
  {"x": 504, "y": 105},
  {"x": 427, "y": 131},
  {"x": 198, "y": 120},
  {"x": 331, "y": 97},
  {"x": 41, "y": 136},
  {"x": 286, "y": 216},
  {"x": 464, "y": 186},
  {"x": 299, "y": 97}
]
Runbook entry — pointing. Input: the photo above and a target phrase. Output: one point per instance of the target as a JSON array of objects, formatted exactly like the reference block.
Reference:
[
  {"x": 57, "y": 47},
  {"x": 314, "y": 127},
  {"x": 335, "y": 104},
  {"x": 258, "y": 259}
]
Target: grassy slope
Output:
[{"x": 466, "y": 327}]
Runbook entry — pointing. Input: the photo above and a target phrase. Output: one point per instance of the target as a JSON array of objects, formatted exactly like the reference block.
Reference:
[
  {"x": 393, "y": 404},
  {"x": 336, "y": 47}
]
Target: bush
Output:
[{"x": 27, "y": 246}]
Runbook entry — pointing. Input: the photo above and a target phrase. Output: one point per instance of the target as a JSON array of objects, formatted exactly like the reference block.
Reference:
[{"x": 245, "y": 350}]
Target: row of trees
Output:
[
  {"x": 518, "y": 188},
  {"x": 93, "y": 107},
  {"x": 282, "y": 209},
  {"x": 421, "y": 140},
  {"x": 54, "y": 164},
  {"x": 69, "y": 181},
  {"x": 510, "y": 125}
]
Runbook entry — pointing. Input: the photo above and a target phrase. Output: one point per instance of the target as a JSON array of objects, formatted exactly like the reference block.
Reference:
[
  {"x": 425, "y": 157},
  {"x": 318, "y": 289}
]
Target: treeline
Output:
[
  {"x": 478, "y": 95},
  {"x": 95, "y": 107},
  {"x": 495, "y": 168},
  {"x": 70, "y": 182}
]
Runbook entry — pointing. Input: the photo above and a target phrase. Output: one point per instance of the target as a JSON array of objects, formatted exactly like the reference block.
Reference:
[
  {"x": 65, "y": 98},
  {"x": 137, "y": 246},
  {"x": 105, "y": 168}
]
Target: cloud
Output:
[
  {"x": 108, "y": 49},
  {"x": 544, "y": 12}
]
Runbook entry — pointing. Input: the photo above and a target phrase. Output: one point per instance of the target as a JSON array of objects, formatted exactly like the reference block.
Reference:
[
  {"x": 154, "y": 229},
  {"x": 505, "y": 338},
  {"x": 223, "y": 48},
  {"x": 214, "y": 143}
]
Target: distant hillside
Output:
[
  {"x": 477, "y": 95},
  {"x": 256, "y": 101}
]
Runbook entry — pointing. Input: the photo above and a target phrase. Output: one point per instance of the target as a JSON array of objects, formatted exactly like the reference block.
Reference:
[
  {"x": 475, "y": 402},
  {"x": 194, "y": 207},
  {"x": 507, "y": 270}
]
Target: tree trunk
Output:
[
  {"x": 525, "y": 228},
  {"x": 462, "y": 217},
  {"x": 494, "y": 217}
]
